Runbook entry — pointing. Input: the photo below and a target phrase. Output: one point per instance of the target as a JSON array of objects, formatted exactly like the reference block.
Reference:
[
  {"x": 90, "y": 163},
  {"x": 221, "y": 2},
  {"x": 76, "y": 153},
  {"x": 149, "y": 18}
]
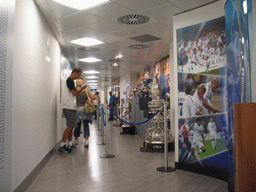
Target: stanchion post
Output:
[
  {"x": 97, "y": 114},
  {"x": 107, "y": 137},
  {"x": 99, "y": 119},
  {"x": 102, "y": 125},
  {"x": 165, "y": 168}
]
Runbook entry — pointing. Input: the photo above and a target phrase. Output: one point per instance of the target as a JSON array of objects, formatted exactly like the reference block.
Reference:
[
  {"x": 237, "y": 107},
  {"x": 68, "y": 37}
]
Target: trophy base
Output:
[
  {"x": 156, "y": 147},
  {"x": 128, "y": 130}
]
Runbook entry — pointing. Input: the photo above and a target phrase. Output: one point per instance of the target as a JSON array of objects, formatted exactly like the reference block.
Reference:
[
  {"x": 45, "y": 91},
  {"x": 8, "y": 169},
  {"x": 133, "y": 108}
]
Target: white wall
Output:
[
  {"x": 133, "y": 80},
  {"x": 7, "y": 13},
  {"x": 124, "y": 86},
  {"x": 35, "y": 89},
  {"x": 196, "y": 16}
]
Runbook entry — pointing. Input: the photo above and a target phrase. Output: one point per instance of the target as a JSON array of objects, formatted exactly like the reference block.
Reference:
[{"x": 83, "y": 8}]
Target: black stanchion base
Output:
[
  {"x": 128, "y": 130},
  {"x": 107, "y": 156},
  {"x": 163, "y": 169},
  {"x": 156, "y": 148}
]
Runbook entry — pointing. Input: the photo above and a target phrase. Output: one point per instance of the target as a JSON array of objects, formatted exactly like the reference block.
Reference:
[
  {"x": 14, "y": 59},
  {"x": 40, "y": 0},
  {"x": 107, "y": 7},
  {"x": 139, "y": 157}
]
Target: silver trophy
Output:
[
  {"x": 155, "y": 135},
  {"x": 127, "y": 114}
]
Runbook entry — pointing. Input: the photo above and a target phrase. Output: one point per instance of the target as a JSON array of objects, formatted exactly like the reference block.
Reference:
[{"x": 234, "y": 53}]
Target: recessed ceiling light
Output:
[
  {"x": 91, "y": 72},
  {"x": 87, "y": 41},
  {"x": 93, "y": 84},
  {"x": 81, "y": 4},
  {"x": 92, "y": 81},
  {"x": 119, "y": 56},
  {"x": 91, "y": 77},
  {"x": 89, "y": 60}
]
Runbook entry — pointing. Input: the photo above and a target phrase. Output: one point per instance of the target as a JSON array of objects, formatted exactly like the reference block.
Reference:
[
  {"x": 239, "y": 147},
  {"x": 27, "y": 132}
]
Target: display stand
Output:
[{"x": 156, "y": 148}]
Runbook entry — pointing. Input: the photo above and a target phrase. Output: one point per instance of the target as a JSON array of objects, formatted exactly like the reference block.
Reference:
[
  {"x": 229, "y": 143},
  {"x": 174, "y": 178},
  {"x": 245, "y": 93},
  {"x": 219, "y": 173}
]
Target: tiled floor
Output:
[{"x": 130, "y": 170}]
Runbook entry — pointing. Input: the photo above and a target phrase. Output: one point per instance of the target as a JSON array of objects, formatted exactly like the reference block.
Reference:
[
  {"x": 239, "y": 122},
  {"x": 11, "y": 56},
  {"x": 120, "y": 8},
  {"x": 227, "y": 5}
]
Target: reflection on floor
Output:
[{"x": 130, "y": 170}]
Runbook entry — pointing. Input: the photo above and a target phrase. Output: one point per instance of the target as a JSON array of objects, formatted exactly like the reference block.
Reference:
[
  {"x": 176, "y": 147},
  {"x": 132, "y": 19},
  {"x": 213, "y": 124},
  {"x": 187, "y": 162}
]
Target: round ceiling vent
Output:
[
  {"x": 88, "y": 49},
  {"x": 139, "y": 46},
  {"x": 133, "y": 19}
]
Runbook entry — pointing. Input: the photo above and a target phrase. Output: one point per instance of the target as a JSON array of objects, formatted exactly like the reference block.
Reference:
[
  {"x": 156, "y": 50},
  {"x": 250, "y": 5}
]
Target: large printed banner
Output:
[
  {"x": 161, "y": 71},
  {"x": 202, "y": 97}
]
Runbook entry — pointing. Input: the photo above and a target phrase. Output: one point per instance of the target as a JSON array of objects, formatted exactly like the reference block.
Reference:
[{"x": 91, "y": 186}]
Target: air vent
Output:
[
  {"x": 145, "y": 38},
  {"x": 88, "y": 49},
  {"x": 133, "y": 19},
  {"x": 139, "y": 46}
]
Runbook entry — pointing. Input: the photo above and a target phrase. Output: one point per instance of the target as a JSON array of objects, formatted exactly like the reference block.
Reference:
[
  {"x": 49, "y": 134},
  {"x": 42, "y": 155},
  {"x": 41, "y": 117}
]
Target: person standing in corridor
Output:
[{"x": 68, "y": 97}]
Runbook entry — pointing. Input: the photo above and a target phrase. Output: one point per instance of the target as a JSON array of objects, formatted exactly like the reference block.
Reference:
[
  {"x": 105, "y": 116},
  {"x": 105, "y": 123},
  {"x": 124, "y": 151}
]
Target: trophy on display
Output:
[
  {"x": 154, "y": 138},
  {"x": 127, "y": 128}
]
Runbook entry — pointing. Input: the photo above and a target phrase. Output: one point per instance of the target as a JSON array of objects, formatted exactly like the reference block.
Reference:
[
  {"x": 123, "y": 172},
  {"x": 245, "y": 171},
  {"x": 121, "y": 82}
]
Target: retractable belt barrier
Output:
[
  {"x": 161, "y": 169},
  {"x": 135, "y": 123}
]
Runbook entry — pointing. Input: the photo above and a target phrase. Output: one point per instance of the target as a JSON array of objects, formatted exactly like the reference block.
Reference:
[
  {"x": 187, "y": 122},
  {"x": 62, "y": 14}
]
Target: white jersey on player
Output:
[
  {"x": 207, "y": 96},
  {"x": 198, "y": 129},
  {"x": 212, "y": 128},
  {"x": 187, "y": 105}
]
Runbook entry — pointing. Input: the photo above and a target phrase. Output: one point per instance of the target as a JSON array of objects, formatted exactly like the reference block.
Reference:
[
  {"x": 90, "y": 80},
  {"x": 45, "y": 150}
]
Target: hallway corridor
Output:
[{"x": 130, "y": 170}]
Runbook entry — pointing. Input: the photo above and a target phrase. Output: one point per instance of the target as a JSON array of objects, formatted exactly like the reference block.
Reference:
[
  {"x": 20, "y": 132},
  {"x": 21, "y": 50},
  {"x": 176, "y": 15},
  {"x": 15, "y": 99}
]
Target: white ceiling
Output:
[{"x": 101, "y": 23}]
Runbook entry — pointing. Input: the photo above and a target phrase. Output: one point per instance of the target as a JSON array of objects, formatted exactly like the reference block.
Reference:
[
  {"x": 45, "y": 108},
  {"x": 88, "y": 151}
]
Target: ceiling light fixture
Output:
[
  {"x": 245, "y": 6},
  {"x": 92, "y": 81},
  {"x": 81, "y": 4},
  {"x": 115, "y": 64},
  {"x": 89, "y": 60},
  {"x": 91, "y": 72},
  {"x": 87, "y": 41},
  {"x": 119, "y": 56},
  {"x": 91, "y": 77},
  {"x": 93, "y": 84}
]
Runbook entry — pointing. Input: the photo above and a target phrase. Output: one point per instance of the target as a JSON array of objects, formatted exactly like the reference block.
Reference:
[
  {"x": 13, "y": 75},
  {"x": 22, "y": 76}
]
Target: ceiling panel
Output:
[
  {"x": 140, "y": 5},
  {"x": 78, "y": 21},
  {"x": 80, "y": 33},
  {"x": 110, "y": 11},
  {"x": 59, "y": 10},
  {"x": 188, "y": 4},
  {"x": 101, "y": 23},
  {"x": 162, "y": 13},
  {"x": 108, "y": 26},
  {"x": 108, "y": 38}
]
